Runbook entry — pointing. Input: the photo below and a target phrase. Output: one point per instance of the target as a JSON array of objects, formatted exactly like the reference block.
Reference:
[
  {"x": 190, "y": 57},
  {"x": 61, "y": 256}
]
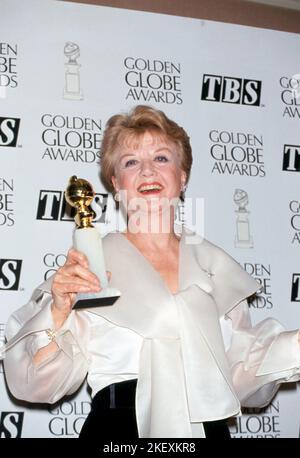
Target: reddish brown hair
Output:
[{"x": 139, "y": 120}]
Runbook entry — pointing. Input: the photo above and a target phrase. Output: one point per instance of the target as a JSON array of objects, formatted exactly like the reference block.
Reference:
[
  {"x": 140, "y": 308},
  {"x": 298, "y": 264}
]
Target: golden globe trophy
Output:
[{"x": 86, "y": 238}]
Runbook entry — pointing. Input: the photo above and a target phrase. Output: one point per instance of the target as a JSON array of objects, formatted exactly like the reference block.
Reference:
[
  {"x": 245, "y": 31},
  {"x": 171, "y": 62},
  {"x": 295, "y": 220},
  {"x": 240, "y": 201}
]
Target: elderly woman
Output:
[{"x": 157, "y": 360}]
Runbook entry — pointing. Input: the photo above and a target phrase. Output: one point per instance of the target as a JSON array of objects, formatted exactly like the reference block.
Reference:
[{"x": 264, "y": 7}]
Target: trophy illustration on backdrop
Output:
[
  {"x": 87, "y": 239},
  {"x": 243, "y": 238},
  {"x": 72, "y": 76}
]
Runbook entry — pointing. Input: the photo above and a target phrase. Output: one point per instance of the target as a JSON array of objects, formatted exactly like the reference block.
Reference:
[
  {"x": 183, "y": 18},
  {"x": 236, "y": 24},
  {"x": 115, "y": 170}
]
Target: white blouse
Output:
[{"x": 195, "y": 354}]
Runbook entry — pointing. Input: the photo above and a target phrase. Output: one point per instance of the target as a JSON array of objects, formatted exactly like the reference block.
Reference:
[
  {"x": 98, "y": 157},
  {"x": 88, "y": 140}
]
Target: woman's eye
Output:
[
  {"x": 130, "y": 163},
  {"x": 161, "y": 159}
]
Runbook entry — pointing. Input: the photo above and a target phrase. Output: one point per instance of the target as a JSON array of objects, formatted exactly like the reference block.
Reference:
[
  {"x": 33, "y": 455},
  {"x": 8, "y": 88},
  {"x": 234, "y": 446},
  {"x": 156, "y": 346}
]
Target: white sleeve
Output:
[
  {"x": 261, "y": 357},
  {"x": 59, "y": 374}
]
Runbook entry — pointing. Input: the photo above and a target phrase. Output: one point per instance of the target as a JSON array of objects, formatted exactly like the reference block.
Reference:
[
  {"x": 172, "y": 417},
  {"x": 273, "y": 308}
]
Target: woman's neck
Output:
[
  {"x": 154, "y": 231},
  {"x": 153, "y": 241}
]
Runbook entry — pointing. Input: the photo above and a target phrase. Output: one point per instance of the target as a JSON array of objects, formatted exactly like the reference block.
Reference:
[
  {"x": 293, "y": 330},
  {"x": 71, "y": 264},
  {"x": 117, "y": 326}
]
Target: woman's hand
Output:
[{"x": 74, "y": 277}]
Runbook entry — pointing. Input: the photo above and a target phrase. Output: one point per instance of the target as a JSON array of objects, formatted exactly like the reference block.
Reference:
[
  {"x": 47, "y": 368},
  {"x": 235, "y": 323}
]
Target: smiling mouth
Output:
[{"x": 151, "y": 188}]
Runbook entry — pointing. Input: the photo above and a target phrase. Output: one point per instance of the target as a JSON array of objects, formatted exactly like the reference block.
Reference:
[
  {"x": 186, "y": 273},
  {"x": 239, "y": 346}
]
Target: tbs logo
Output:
[
  {"x": 10, "y": 271},
  {"x": 11, "y": 424},
  {"x": 295, "y": 296},
  {"x": 9, "y": 129},
  {"x": 52, "y": 206},
  {"x": 227, "y": 89},
  {"x": 291, "y": 158}
]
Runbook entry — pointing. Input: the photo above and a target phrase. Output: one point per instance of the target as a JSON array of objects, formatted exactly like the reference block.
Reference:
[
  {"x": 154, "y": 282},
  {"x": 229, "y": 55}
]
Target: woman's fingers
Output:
[
  {"x": 76, "y": 270},
  {"x": 75, "y": 276},
  {"x": 74, "y": 257},
  {"x": 67, "y": 285}
]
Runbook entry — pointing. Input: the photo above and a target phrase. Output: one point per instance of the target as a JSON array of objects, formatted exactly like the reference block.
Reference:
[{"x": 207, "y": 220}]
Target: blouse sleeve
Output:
[
  {"x": 261, "y": 357},
  {"x": 63, "y": 371}
]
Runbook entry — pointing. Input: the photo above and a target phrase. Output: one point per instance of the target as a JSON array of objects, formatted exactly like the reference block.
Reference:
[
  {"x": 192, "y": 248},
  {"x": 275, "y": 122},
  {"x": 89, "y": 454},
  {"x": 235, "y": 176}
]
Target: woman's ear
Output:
[
  {"x": 115, "y": 183},
  {"x": 116, "y": 194},
  {"x": 183, "y": 179}
]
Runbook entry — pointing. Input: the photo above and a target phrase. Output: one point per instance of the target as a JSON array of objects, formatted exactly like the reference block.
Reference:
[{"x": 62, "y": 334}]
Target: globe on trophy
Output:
[
  {"x": 72, "y": 76},
  {"x": 87, "y": 239},
  {"x": 243, "y": 238}
]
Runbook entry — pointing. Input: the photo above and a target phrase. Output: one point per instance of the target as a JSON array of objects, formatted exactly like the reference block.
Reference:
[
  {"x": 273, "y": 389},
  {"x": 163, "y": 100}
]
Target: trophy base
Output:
[
  {"x": 243, "y": 243},
  {"x": 72, "y": 96},
  {"x": 90, "y": 300}
]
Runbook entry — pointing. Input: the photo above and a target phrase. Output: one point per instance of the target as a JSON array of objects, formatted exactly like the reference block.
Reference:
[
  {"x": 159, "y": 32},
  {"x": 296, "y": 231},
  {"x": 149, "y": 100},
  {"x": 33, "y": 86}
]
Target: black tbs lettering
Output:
[
  {"x": 11, "y": 424},
  {"x": 49, "y": 205},
  {"x": 10, "y": 271},
  {"x": 9, "y": 130},
  {"x": 52, "y": 206},
  {"x": 291, "y": 158},
  {"x": 295, "y": 295},
  {"x": 227, "y": 89}
]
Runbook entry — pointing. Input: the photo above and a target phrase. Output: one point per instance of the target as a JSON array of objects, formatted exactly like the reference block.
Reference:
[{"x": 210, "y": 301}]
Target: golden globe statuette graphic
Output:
[
  {"x": 243, "y": 238},
  {"x": 86, "y": 238},
  {"x": 72, "y": 76}
]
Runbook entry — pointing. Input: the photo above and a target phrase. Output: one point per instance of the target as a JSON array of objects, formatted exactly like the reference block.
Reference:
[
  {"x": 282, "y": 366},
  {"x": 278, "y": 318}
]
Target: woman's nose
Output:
[{"x": 147, "y": 168}]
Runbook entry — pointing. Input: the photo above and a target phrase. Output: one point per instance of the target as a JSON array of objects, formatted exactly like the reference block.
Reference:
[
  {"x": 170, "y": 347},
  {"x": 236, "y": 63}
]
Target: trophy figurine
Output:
[
  {"x": 80, "y": 194},
  {"x": 243, "y": 237},
  {"x": 72, "y": 76}
]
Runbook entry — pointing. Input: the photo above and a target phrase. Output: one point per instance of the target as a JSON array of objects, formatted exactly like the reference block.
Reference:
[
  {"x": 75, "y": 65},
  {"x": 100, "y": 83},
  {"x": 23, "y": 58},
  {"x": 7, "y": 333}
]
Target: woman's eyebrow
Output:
[
  {"x": 125, "y": 155},
  {"x": 163, "y": 148}
]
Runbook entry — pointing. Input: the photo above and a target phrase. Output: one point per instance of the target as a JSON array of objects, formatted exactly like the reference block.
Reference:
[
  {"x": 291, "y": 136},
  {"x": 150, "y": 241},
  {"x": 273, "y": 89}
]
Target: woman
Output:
[{"x": 157, "y": 361}]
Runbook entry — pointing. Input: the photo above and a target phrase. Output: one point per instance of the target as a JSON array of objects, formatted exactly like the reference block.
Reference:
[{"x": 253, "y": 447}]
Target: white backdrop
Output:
[{"x": 64, "y": 70}]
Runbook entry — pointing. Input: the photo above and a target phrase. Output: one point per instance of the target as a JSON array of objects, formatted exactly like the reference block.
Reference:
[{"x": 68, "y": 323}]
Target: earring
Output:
[
  {"x": 117, "y": 196},
  {"x": 183, "y": 189}
]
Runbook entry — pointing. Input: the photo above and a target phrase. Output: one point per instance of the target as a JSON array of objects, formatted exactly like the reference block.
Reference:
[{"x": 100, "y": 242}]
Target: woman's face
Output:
[{"x": 148, "y": 167}]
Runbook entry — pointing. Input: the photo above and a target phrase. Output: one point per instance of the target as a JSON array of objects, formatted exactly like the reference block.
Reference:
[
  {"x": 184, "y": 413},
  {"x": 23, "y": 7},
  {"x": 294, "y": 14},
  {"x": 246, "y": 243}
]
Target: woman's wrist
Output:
[{"x": 59, "y": 316}]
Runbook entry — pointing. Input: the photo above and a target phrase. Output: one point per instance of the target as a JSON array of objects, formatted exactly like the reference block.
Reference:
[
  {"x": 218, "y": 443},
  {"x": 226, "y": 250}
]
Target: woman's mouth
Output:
[{"x": 150, "y": 188}]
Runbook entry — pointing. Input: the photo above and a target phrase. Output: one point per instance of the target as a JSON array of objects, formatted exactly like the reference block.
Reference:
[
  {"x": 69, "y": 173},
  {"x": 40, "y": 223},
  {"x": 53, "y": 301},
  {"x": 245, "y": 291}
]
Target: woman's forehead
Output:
[{"x": 136, "y": 140}]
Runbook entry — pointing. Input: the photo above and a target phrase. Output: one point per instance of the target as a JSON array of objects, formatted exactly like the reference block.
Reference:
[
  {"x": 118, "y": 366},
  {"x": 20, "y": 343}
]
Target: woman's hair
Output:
[{"x": 124, "y": 127}]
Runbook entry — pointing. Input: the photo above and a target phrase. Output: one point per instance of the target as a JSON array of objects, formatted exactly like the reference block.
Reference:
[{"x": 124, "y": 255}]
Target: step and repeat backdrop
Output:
[{"x": 64, "y": 70}]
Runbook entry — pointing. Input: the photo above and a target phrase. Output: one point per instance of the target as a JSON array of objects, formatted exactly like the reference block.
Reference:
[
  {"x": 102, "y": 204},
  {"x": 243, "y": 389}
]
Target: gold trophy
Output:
[{"x": 86, "y": 238}]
